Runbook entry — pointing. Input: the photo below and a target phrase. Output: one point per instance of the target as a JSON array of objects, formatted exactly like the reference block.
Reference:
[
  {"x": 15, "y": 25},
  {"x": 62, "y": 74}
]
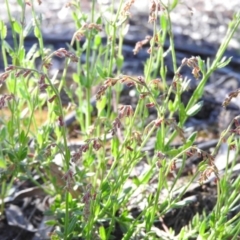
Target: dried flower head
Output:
[
  {"x": 3, "y": 76},
  {"x": 47, "y": 64},
  {"x": 97, "y": 144},
  {"x": 10, "y": 68},
  {"x": 173, "y": 166},
  {"x": 161, "y": 155},
  {"x": 150, "y": 105},
  {"x": 79, "y": 34},
  {"x": 68, "y": 177},
  {"x": 43, "y": 87},
  {"x": 125, "y": 111},
  {"x": 95, "y": 26},
  {"x": 137, "y": 136},
  {"x": 28, "y": 3},
  {"x": 60, "y": 121},
  {"x": 52, "y": 98},
  {"x": 192, "y": 63},
  {"x": 116, "y": 125},
  {"x": 157, "y": 84},
  {"x": 61, "y": 52},
  {"x": 108, "y": 83},
  {"x": 4, "y": 99},
  {"x": 26, "y": 73},
  {"x": 140, "y": 44},
  {"x": 88, "y": 197},
  {"x": 158, "y": 122},
  {"x": 69, "y": 4},
  {"x": 236, "y": 130},
  {"x": 207, "y": 173},
  {"x": 73, "y": 57},
  {"x": 230, "y": 96},
  {"x": 154, "y": 8},
  {"x": 126, "y": 8},
  {"x": 143, "y": 95}
]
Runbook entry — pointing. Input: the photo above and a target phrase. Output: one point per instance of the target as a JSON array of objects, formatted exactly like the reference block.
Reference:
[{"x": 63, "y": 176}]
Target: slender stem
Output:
[
  {"x": 112, "y": 53},
  {"x": 11, "y": 23},
  {"x": 66, "y": 219}
]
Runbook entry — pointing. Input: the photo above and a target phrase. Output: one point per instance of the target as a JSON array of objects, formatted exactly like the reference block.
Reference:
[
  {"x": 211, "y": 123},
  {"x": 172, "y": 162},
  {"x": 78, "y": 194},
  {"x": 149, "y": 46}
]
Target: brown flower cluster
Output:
[
  {"x": 192, "y": 63},
  {"x": 3, "y": 77},
  {"x": 62, "y": 52},
  {"x": 125, "y": 111},
  {"x": 115, "y": 126},
  {"x": 88, "y": 197},
  {"x": 10, "y": 69},
  {"x": 86, "y": 27},
  {"x": 68, "y": 177},
  {"x": 108, "y": 83},
  {"x": 207, "y": 157},
  {"x": 126, "y": 8},
  {"x": 230, "y": 96},
  {"x": 41, "y": 83},
  {"x": 140, "y": 44},
  {"x": 154, "y": 8},
  {"x": 236, "y": 130},
  {"x": 96, "y": 144},
  {"x": 4, "y": 99}
]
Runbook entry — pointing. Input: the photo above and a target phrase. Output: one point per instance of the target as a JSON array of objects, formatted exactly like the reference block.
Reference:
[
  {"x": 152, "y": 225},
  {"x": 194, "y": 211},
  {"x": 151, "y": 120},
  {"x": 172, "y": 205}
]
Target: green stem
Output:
[
  {"x": 11, "y": 23},
  {"x": 112, "y": 53},
  {"x": 199, "y": 90}
]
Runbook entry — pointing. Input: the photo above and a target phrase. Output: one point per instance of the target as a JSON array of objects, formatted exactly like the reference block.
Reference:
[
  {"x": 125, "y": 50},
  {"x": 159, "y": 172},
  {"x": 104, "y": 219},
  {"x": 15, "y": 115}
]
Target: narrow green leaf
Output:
[
  {"x": 17, "y": 27},
  {"x": 60, "y": 234},
  {"x": 23, "y": 138},
  {"x": 164, "y": 22},
  {"x": 7, "y": 47},
  {"x": 115, "y": 146},
  {"x": 37, "y": 32},
  {"x": 174, "y": 4},
  {"x": 76, "y": 78},
  {"x": 22, "y": 153},
  {"x": 2, "y": 163},
  {"x": 97, "y": 40},
  {"x": 102, "y": 233},
  {"x": 21, "y": 55},
  {"x": 20, "y": 2},
  {"x": 182, "y": 113},
  {"x": 101, "y": 104},
  {"x": 170, "y": 106},
  {"x": 3, "y": 133},
  {"x": 224, "y": 63},
  {"x": 192, "y": 137},
  {"x": 119, "y": 61},
  {"x": 195, "y": 109},
  {"x": 3, "y": 30},
  {"x": 100, "y": 71},
  {"x": 159, "y": 145},
  {"x": 136, "y": 181},
  {"x": 145, "y": 178},
  {"x": 51, "y": 222},
  {"x": 201, "y": 65},
  {"x": 31, "y": 52},
  {"x": 28, "y": 29},
  {"x": 72, "y": 224}
]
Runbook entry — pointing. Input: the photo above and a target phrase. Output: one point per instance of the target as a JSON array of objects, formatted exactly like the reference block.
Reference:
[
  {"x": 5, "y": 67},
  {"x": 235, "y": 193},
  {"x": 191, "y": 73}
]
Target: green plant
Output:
[{"x": 93, "y": 197}]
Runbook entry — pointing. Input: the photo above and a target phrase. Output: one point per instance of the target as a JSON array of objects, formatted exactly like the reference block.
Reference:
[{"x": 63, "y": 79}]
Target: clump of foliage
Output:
[{"x": 90, "y": 186}]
